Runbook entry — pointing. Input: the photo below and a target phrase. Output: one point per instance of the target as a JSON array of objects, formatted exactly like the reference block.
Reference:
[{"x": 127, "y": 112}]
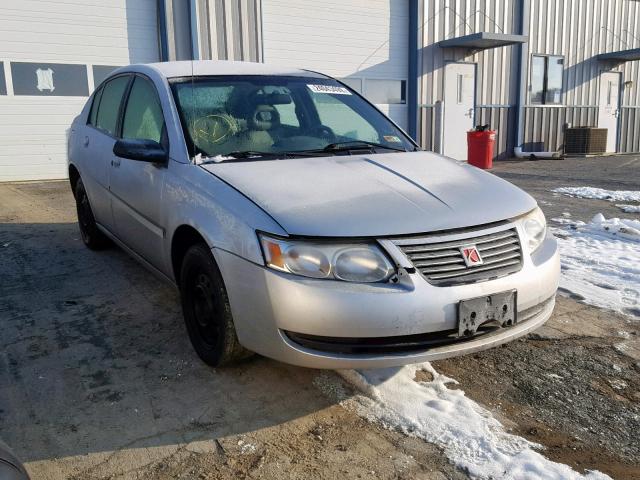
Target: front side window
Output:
[
  {"x": 143, "y": 118},
  {"x": 112, "y": 92},
  {"x": 546, "y": 79},
  {"x": 279, "y": 115}
]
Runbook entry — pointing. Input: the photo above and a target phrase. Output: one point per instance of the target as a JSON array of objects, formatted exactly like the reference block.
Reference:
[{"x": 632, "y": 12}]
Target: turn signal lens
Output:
[{"x": 275, "y": 254}]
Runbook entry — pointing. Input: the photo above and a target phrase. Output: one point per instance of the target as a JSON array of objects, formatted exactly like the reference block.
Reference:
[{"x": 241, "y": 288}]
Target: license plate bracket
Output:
[{"x": 498, "y": 308}]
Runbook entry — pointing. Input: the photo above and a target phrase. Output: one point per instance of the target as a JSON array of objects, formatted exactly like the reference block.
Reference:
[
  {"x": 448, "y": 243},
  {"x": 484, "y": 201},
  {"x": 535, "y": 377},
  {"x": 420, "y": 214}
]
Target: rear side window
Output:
[
  {"x": 143, "y": 117},
  {"x": 107, "y": 117},
  {"x": 94, "y": 107}
]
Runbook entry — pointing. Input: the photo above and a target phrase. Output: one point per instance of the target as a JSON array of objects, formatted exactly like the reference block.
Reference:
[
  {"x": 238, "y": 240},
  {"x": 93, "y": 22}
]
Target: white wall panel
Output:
[
  {"x": 114, "y": 32},
  {"x": 350, "y": 38}
]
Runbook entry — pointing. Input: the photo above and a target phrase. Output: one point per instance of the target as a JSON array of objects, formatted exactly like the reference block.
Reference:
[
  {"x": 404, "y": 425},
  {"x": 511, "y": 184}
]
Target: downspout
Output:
[
  {"x": 162, "y": 27},
  {"x": 194, "y": 30},
  {"x": 521, "y": 90},
  {"x": 412, "y": 83}
]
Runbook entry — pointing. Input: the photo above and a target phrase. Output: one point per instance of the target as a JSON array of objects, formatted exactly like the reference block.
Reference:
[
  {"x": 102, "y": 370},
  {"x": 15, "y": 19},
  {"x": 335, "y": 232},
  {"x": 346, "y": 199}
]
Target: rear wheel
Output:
[
  {"x": 91, "y": 234},
  {"x": 206, "y": 309}
]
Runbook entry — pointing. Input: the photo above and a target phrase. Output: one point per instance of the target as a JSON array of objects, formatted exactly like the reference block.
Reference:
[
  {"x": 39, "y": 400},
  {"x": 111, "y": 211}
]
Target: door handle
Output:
[
  {"x": 115, "y": 163},
  {"x": 86, "y": 141}
]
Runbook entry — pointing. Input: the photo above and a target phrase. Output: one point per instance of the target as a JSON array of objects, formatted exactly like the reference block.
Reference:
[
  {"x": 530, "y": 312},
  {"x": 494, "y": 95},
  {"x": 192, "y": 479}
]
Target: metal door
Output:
[
  {"x": 609, "y": 107},
  {"x": 459, "y": 107}
]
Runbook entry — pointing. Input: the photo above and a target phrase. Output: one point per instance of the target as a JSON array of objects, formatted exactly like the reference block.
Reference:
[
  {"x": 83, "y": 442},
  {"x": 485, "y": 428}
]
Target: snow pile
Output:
[
  {"x": 629, "y": 208},
  {"x": 470, "y": 437},
  {"x": 601, "y": 262},
  {"x": 600, "y": 194}
]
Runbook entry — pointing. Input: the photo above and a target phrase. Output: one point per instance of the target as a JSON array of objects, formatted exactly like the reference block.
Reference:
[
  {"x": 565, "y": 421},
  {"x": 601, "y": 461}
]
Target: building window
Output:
[
  {"x": 51, "y": 79},
  {"x": 385, "y": 91},
  {"x": 546, "y": 79}
]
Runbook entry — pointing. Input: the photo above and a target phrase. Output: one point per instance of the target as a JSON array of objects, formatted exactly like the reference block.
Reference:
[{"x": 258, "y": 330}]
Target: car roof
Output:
[{"x": 186, "y": 68}]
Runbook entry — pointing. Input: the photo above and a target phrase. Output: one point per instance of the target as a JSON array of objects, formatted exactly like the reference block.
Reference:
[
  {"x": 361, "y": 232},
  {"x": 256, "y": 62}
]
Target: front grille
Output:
[{"x": 442, "y": 263}]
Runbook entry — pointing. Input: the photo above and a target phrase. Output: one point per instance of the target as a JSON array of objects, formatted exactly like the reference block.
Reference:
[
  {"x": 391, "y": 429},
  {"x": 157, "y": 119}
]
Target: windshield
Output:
[{"x": 279, "y": 115}]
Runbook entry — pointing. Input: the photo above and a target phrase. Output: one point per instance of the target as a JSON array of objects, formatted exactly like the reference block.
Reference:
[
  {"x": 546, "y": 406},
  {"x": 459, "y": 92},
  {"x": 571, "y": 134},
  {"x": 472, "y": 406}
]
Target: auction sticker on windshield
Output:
[{"x": 333, "y": 89}]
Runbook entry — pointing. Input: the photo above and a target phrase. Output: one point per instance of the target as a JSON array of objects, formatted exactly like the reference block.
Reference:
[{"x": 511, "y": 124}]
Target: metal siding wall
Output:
[
  {"x": 500, "y": 119},
  {"x": 580, "y": 30},
  {"x": 427, "y": 121},
  {"x": 545, "y": 125},
  {"x": 227, "y": 30},
  {"x": 496, "y": 68},
  {"x": 236, "y": 30},
  {"x": 577, "y": 29},
  {"x": 629, "y": 126}
]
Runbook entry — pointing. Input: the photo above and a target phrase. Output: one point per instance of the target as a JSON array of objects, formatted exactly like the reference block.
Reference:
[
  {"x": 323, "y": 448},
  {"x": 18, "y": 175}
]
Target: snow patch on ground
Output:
[
  {"x": 600, "y": 193},
  {"x": 563, "y": 221},
  {"x": 629, "y": 208},
  {"x": 469, "y": 435},
  {"x": 601, "y": 262}
]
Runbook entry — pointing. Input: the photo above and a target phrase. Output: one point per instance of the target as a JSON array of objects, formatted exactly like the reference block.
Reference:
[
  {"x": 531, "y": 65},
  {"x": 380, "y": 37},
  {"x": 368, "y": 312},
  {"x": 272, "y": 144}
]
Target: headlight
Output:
[
  {"x": 357, "y": 262},
  {"x": 535, "y": 228}
]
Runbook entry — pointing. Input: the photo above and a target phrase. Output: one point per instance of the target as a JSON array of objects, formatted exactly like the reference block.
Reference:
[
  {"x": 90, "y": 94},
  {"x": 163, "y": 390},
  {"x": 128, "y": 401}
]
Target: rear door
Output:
[
  {"x": 97, "y": 139},
  {"x": 136, "y": 187}
]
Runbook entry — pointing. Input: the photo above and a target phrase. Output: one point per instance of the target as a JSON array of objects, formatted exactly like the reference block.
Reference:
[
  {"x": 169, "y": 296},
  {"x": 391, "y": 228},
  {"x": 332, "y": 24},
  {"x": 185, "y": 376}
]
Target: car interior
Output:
[{"x": 249, "y": 117}]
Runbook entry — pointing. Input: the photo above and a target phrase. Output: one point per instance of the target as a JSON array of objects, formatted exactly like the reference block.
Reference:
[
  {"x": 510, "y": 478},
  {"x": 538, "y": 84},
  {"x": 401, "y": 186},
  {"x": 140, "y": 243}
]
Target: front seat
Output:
[
  {"x": 264, "y": 120},
  {"x": 10, "y": 466}
]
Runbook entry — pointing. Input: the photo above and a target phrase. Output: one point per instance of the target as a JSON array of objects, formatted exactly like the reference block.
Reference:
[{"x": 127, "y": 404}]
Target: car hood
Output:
[{"x": 374, "y": 195}]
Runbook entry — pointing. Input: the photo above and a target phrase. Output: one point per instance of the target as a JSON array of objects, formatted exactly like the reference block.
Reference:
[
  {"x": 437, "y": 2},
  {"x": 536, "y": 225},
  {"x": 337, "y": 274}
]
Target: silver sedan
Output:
[{"x": 300, "y": 223}]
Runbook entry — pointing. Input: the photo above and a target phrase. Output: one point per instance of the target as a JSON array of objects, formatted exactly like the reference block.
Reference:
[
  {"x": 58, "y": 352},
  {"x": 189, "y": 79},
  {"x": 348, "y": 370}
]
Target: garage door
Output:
[
  {"x": 52, "y": 54},
  {"x": 363, "y": 42}
]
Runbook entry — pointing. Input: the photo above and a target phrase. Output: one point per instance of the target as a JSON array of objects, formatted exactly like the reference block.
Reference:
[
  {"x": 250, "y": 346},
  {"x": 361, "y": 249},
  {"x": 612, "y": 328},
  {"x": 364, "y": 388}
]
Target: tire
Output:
[
  {"x": 206, "y": 309},
  {"x": 89, "y": 231}
]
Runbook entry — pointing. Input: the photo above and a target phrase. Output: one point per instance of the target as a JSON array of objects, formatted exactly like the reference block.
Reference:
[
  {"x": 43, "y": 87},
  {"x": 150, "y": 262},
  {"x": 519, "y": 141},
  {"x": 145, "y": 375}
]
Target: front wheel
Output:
[{"x": 206, "y": 309}]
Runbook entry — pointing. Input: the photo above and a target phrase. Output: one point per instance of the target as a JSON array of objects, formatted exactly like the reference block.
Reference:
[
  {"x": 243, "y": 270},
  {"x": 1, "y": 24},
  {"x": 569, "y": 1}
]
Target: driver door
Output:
[{"x": 137, "y": 187}]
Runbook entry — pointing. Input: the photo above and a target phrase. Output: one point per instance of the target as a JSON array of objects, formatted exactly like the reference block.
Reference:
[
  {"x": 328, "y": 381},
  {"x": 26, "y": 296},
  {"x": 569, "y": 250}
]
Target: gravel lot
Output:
[{"x": 97, "y": 379}]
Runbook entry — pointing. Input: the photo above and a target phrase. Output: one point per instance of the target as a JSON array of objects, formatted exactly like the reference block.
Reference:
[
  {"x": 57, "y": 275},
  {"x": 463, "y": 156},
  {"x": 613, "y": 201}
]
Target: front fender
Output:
[{"x": 225, "y": 218}]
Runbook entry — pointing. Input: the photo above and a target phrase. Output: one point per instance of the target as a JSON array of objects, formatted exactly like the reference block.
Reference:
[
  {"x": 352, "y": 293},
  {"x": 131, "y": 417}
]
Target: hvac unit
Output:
[{"x": 585, "y": 140}]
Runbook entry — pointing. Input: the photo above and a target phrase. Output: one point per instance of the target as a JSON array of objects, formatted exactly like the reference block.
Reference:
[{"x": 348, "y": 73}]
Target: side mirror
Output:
[{"x": 140, "y": 150}]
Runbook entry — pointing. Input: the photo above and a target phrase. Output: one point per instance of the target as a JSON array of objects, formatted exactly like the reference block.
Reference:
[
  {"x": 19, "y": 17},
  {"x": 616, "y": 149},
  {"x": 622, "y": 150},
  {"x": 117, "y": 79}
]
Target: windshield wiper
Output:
[
  {"x": 256, "y": 155},
  {"x": 355, "y": 144}
]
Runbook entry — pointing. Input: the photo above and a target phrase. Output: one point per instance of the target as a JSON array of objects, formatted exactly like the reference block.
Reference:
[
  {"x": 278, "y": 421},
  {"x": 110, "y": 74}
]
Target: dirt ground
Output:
[{"x": 98, "y": 380}]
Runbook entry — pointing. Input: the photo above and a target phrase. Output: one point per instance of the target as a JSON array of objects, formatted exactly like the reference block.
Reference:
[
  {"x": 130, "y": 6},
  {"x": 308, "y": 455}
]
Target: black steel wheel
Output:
[
  {"x": 206, "y": 309},
  {"x": 89, "y": 231}
]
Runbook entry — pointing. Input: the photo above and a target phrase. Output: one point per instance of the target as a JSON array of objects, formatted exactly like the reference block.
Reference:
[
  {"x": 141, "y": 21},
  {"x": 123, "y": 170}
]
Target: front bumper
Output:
[{"x": 266, "y": 304}]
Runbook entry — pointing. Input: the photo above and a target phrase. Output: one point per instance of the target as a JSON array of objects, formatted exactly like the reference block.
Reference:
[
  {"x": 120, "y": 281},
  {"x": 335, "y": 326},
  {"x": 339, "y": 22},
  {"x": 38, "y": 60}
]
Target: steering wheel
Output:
[
  {"x": 323, "y": 132},
  {"x": 213, "y": 129}
]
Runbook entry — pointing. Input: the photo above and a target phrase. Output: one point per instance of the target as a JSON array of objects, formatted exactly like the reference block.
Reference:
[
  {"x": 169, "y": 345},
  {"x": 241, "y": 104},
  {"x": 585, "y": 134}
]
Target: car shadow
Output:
[{"x": 94, "y": 357}]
